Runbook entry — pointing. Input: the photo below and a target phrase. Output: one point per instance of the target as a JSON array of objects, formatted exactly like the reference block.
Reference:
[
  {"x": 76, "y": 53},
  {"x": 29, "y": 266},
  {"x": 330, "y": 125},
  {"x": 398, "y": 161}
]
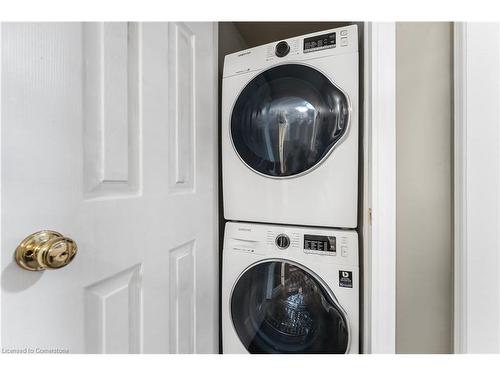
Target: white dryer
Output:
[
  {"x": 289, "y": 290},
  {"x": 290, "y": 131}
]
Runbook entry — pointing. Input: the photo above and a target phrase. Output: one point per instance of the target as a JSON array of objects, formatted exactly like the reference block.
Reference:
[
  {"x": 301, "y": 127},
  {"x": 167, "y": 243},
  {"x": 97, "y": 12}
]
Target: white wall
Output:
[{"x": 424, "y": 187}]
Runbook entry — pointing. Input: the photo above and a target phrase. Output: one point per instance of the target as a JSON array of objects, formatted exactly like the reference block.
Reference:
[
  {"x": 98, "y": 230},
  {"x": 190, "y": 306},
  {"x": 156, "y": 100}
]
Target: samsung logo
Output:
[
  {"x": 245, "y": 229},
  {"x": 245, "y": 53}
]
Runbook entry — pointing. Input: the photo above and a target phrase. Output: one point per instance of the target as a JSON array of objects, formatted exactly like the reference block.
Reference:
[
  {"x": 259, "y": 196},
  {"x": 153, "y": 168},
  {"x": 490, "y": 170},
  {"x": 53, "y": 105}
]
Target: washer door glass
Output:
[
  {"x": 278, "y": 307},
  {"x": 287, "y": 119}
]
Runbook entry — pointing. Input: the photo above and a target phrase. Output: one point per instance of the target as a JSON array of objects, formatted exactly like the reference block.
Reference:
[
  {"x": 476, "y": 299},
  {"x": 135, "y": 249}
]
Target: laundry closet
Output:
[
  {"x": 291, "y": 171},
  {"x": 166, "y": 217}
]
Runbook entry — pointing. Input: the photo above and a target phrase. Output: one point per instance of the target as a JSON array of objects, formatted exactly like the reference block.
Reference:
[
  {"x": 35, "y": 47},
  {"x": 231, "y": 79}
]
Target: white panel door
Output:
[{"x": 109, "y": 137}]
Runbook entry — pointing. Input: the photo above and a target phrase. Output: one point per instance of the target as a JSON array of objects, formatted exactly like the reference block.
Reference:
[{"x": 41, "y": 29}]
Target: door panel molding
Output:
[
  {"x": 111, "y": 305},
  {"x": 182, "y": 298},
  {"x": 182, "y": 109},
  {"x": 111, "y": 109}
]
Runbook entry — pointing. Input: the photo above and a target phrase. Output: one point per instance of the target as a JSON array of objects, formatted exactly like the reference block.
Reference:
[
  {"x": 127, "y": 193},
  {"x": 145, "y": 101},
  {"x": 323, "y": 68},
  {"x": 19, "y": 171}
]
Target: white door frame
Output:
[
  {"x": 379, "y": 195},
  {"x": 477, "y": 188}
]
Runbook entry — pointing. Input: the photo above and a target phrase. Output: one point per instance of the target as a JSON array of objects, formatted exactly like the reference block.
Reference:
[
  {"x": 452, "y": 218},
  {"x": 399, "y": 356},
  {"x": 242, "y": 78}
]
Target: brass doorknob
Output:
[{"x": 45, "y": 250}]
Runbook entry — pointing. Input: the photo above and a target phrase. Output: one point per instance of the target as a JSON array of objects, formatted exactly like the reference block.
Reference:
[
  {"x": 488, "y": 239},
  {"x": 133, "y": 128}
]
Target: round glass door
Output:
[
  {"x": 287, "y": 120},
  {"x": 279, "y": 307}
]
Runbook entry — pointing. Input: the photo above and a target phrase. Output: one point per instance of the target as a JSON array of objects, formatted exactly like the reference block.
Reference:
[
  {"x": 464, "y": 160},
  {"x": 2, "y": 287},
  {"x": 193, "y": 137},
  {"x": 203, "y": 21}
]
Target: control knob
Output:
[
  {"x": 282, "y": 241},
  {"x": 282, "y": 49}
]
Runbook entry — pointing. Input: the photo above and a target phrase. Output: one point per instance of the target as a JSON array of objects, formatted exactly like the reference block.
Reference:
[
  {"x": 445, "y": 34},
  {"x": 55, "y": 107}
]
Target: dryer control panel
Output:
[{"x": 342, "y": 40}]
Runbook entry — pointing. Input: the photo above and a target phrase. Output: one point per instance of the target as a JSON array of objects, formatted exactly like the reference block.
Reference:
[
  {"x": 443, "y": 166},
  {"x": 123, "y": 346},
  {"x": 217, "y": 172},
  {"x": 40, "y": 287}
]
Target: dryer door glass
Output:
[
  {"x": 279, "y": 307},
  {"x": 287, "y": 120}
]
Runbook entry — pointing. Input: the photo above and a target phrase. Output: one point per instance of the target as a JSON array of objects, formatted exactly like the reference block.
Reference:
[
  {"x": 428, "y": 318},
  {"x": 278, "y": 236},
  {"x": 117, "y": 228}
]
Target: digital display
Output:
[
  {"x": 320, "y": 243},
  {"x": 319, "y": 42}
]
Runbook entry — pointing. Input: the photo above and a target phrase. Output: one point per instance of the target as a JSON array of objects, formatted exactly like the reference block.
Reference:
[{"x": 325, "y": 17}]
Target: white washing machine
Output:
[
  {"x": 290, "y": 131},
  {"x": 289, "y": 289}
]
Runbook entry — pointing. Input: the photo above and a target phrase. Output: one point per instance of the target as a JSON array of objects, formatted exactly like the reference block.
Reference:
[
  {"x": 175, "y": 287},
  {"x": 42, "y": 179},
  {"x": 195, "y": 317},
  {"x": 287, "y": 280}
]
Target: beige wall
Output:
[
  {"x": 424, "y": 187},
  {"x": 230, "y": 41}
]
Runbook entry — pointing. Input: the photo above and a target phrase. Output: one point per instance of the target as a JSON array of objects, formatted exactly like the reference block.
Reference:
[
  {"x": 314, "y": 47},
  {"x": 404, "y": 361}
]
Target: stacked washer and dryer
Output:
[{"x": 290, "y": 273}]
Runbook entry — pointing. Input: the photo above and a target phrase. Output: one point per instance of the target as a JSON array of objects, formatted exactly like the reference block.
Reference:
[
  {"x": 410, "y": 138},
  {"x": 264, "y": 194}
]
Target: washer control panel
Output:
[{"x": 339, "y": 246}]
